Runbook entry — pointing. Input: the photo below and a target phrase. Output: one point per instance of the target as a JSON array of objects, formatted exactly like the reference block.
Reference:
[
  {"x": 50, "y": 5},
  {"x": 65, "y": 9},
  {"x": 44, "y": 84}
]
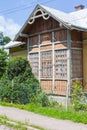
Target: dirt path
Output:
[{"x": 44, "y": 122}]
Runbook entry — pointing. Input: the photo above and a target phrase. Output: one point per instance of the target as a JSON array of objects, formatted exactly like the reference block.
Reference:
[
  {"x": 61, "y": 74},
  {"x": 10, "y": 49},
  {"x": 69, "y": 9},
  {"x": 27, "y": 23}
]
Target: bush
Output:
[
  {"x": 18, "y": 83},
  {"x": 78, "y": 96},
  {"x": 44, "y": 100},
  {"x": 3, "y": 61},
  {"x": 19, "y": 67}
]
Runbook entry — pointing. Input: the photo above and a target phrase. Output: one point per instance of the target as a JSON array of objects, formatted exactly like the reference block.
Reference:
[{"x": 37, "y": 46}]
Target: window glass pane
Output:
[
  {"x": 46, "y": 64},
  {"x": 76, "y": 63},
  {"x": 61, "y": 64},
  {"x": 34, "y": 62}
]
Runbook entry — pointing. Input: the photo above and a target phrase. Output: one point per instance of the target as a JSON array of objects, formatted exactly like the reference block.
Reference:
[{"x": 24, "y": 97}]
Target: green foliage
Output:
[
  {"x": 3, "y": 61},
  {"x": 78, "y": 96},
  {"x": 44, "y": 99},
  {"x": 19, "y": 67},
  {"x": 75, "y": 116},
  {"x": 19, "y": 85},
  {"x": 12, "y": 124},
  {"x": 6, "y": 39}
]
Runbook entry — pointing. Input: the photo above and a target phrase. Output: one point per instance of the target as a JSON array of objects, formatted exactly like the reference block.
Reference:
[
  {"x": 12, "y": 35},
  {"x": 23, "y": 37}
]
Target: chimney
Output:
[{"x": 79, "y": 7}]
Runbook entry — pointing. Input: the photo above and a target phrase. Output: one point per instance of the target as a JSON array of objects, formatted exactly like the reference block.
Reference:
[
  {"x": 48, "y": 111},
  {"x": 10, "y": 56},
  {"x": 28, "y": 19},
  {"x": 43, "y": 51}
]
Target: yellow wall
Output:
[
  {"x": 18, "y": 51},
  {"x": 85, "y": 60},
  {"x": 19, "y": 54}
]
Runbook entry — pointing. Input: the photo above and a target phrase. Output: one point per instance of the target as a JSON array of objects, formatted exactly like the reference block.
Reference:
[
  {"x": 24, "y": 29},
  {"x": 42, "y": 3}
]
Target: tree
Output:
[
  {"x": 19, "y": 67},
  {"x": 1, "y": 38},
  {"x": 6, "y": 40},
  {"x": 18, "y": 83},
  {"x": 3, "y": 61}
]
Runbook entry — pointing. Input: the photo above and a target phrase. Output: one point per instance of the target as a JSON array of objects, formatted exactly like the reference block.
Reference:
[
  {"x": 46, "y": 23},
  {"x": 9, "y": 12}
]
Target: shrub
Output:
[
  {"x": 78, "y": 96},
  {"x": 19, "y": 85},
  {"x": 19, "y": 67},
  {"x": 44, "y": 100},
  {"x": 3, "y": 61}
]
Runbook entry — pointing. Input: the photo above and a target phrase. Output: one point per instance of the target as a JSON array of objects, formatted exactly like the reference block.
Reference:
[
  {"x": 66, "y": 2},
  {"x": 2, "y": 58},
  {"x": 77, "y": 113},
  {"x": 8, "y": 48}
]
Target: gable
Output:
[
  {"x": 38, "y": 17},
  {"x": 46, "y": 13},
  {"x": 41, "y": 25}
]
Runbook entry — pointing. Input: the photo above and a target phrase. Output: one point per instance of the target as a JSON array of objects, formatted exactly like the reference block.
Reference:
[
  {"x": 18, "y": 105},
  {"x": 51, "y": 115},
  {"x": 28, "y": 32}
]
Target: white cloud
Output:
[{"x": 9, "y": 27}]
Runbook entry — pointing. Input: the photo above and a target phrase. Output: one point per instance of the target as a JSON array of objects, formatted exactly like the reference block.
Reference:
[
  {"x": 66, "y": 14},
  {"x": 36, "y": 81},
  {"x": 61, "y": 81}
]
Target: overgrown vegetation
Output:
[
  {"x": 19, "y": 85},
  {"x": 3, "y": 62},
  {"x": 12, "y": 124},
  {"x": 78, "y": 97},
  {"x": 17, "y": 125},
  {"x": 58, "y": 112}
]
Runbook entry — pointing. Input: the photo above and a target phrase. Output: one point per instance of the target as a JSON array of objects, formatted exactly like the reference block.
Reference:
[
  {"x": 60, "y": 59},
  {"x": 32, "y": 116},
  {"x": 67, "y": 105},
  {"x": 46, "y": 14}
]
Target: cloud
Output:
[{"x": 8, "y": 27}]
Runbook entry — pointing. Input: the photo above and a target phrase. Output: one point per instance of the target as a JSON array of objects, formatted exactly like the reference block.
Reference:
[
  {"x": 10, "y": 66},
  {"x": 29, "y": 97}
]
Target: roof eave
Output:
[
  {"x": 25, "y": 24},
  {"x": 78, "y": 28}
]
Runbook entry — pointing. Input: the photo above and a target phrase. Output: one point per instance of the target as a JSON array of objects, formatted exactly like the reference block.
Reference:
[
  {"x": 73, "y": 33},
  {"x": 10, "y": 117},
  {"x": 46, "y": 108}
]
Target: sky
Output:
[{"x": 14, "y": 13}]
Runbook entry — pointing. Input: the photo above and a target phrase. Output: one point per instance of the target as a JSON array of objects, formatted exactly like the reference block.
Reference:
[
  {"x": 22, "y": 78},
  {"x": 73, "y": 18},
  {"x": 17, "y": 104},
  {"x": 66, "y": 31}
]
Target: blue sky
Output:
[{"x": 13, "y": 13}]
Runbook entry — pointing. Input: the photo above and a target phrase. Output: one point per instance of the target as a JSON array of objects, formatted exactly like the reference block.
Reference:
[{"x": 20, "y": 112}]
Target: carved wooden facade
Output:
[{"x": 55, "y": 52}]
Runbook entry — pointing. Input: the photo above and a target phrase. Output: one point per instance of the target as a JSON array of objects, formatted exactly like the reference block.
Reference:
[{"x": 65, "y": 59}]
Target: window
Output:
[
  {"x": 76, "y": 63},
  {"x": 61, "y": 64},
  {"x": 46, "y": 64},
  {"x": 34, "y": 62}
]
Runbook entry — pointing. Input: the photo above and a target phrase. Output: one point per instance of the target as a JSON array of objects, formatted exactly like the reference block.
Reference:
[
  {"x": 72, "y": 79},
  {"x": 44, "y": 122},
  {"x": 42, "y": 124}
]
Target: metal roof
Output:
[
  {"x": 12, "y": 44},
  {"x": 74, "y": 20},
  {"x": 79, "y": 18}
]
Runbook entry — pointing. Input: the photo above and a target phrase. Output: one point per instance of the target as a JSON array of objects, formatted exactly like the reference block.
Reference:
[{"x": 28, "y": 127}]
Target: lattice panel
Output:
[
  {"x": 46, "y": 85},
  {"x": 76, "y": 63},
  {"x": 46, "y": 64},
  {"x": 61, "y": 64},
  {"x": 60, "y": 87},
  {"x": 34, "y": 62}
]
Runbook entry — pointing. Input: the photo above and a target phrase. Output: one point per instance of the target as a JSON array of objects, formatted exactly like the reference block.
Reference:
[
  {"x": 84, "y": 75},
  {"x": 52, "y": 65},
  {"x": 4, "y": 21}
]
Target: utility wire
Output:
[
  {"x": 21, "y": 8},
  {"x": 27, "y": 6},
  {"x": 15, "y": 8}
]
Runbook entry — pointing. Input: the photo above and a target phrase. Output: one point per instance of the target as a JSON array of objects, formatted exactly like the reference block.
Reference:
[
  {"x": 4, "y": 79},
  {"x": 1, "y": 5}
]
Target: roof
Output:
[
  {"x": 79, "y": 18},
  {"x": 74, "y": 20},
  {"x": 12, "y": 44}
]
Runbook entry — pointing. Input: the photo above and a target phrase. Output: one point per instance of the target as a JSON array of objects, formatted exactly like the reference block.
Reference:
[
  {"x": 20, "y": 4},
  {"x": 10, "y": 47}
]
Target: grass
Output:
[
  {"x": 4, "y": 120},
  {"x": 80, "y": 117},
  {"x": 12, "y": 124}
]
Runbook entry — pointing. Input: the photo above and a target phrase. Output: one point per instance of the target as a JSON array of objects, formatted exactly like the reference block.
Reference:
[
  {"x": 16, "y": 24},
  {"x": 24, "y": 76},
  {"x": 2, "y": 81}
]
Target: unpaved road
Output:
[{"x": 44, "y": 122}]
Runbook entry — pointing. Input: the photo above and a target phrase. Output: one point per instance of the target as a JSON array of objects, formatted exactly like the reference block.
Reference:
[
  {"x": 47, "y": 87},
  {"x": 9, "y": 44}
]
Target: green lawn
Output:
[{"x": 52, "y": 112}]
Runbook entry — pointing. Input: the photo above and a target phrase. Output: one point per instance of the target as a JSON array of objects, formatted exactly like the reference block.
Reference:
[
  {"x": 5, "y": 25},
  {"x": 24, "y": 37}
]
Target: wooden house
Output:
[{"x": 55, "y": 44}]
